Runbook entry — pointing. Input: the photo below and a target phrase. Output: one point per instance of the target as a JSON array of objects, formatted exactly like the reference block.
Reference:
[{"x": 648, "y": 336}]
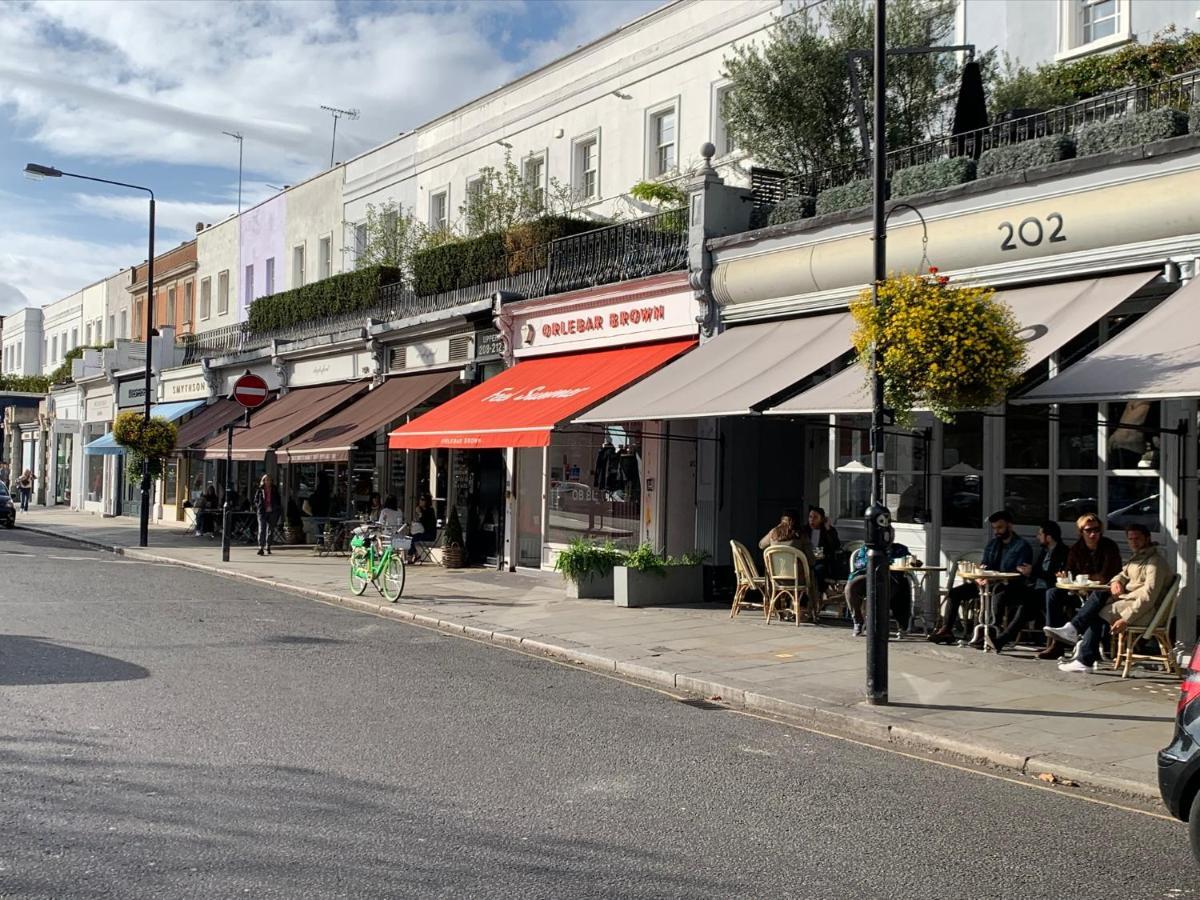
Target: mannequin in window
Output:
[{"x": 606, "y": 466}]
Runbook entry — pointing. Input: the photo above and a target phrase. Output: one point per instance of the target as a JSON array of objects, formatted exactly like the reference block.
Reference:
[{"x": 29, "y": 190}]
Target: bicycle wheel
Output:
[
  {"x": 359, "y": 578},
  {"x": 391, "y": 581}
]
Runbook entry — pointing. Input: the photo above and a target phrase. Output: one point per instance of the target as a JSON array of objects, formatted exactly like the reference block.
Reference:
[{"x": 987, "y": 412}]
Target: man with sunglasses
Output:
[
  {"x": 1131, "y": 599},
  {"x": 1093, "y": 555}
]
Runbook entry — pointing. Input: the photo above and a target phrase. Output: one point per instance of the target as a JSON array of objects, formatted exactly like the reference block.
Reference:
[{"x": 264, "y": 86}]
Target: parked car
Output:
[
  {"x": 1179, "y": 762},
  {"x": 8, "y": 508}
]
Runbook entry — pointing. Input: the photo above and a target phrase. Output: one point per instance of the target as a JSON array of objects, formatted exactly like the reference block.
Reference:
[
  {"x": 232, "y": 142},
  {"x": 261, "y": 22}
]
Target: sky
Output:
[{"x": 140, "y": 91}]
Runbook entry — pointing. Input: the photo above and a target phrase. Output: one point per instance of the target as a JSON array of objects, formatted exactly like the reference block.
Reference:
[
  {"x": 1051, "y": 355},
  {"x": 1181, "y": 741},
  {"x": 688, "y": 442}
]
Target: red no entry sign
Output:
[{"x": 250, "y": 390}]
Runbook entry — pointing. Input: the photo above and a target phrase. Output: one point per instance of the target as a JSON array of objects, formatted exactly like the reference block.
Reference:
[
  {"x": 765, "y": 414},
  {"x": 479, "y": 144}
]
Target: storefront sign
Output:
[
  {"x": 343, "y": 367},
  {"x": 488, "y": 343},
  {"x": 99, "y": 409},
  {"x": 624, "y": 321},
  {"x": 131, "y": 393},
  {"x": 66, "y": 426}
]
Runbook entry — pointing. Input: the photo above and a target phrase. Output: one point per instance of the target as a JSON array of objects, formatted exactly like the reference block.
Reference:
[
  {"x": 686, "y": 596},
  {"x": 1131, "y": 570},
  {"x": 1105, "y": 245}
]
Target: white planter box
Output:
[
  {"x": 592, "y": 587},
  {"x": 677, "y": 584}
]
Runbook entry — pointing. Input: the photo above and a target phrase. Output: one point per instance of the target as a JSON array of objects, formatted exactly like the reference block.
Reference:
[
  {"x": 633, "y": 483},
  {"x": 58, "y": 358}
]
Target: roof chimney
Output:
[{"x": 199, "y": 227}]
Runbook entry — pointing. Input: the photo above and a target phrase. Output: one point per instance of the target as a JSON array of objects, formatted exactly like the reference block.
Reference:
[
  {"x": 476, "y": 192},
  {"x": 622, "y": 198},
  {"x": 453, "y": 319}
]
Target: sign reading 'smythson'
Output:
[{"x": 588, "y": 325}]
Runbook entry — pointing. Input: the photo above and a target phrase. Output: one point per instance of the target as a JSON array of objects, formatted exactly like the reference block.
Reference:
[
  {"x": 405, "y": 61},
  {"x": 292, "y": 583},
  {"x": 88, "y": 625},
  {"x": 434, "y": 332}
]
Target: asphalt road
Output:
[{"x": 168, "y": 733}]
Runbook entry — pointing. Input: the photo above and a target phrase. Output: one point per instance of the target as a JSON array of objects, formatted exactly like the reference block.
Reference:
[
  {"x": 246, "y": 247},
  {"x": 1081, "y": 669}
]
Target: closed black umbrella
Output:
[{"x": 970, "y": 109}]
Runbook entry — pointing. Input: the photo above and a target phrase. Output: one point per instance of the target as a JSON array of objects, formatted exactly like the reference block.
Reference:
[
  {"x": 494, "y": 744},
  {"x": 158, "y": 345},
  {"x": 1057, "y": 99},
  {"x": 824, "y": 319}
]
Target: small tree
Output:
[
  {"x": 502, "y": 197},
  {"x": 392, "y": 236}
]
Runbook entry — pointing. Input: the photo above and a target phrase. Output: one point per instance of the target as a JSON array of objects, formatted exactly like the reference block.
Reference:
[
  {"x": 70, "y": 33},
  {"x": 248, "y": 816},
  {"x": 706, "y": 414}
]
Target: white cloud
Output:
[
  {"x": 46, "y": 267},
  {"x": 176, "y": 217}
]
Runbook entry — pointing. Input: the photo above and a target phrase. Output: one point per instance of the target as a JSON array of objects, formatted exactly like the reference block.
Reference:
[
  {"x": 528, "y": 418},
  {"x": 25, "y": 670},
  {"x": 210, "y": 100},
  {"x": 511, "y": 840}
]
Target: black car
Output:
[
  {"x": 1179, "y": 763},
  {"x": 8, "y": 509}
]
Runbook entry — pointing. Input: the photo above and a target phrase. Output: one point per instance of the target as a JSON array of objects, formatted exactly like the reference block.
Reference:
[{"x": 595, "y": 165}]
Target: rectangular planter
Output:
[
  {"x": 593, "y": 587},
  {"x": 678, "y": 584}
]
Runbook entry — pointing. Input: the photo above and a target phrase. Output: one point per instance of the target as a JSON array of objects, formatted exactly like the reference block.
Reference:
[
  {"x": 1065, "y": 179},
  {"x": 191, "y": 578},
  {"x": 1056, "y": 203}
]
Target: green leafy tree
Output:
[
  {"x": 393, "y": 235},
  {"x": 501, "y": 197},
  {"x": 790, "y": 104},
  {"x": 25, "y": 384}
]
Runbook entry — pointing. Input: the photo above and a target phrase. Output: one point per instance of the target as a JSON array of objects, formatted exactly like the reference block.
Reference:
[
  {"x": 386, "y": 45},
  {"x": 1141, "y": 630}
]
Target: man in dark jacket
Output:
[
  {"x": 268, "y": 506},
  {"x": 1024, "y": 602},
  {"x": 1093, "y": 555},
  {"x": 1005, "y": 552}
]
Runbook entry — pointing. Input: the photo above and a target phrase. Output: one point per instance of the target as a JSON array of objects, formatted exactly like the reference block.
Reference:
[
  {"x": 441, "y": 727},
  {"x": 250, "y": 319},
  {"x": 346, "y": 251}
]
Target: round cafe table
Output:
[
  {"x": 987, "y": 581},
  {"x": 1086, "y": 588},
  {"x": 919, "y": 577}
]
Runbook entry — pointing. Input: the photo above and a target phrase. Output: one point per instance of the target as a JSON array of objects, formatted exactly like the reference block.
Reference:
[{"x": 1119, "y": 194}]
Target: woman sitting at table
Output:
[
  {"x": 826, "y": 544},
  {"x": 389, "y": 515},
  {"x": 788, "y": 534}
]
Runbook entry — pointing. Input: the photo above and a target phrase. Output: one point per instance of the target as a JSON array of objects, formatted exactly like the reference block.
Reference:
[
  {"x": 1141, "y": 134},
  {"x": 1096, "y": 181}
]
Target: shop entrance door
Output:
[{"x": 531, "y": 480}]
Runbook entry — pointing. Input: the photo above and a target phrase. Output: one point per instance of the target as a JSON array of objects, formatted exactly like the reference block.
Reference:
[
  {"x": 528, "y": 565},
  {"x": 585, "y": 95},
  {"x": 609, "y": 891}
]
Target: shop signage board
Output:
[
  {"x": 99, "y": 409},
  {"x": 618, "y": 322},
  {"x": 131, "y": 393}
]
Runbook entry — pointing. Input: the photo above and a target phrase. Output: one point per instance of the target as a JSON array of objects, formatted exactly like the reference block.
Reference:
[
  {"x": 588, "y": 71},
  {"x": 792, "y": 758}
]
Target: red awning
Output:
[{"x": 520, "y": 406}]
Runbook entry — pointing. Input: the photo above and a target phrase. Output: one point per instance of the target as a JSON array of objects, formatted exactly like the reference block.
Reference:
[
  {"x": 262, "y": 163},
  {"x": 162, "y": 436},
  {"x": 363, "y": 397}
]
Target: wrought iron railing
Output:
[
  {"x": 1179, "y": 92},
  {"x": 613, "y": 253}
]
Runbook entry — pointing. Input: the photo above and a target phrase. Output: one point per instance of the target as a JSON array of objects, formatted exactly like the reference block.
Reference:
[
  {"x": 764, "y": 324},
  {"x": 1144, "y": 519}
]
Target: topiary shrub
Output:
[
  {"x": 1131, "y": 131},
  {"x": 1025, "y": 155},
  {"x": 933, "y": 175},
  {"x": 453, "y": 265},
  {"x": 851, "y": 195},
  {"x": 525, "y": 244},
  {"x": 792, "y": 209},
  {"x": 331, "y": 296}
]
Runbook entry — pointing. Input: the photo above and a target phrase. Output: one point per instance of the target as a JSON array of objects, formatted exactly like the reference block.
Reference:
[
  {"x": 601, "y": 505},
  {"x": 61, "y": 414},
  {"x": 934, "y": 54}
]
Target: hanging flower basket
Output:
[
  {"x": 941, "y": 347},
  {"x": 153, "y": 440}
]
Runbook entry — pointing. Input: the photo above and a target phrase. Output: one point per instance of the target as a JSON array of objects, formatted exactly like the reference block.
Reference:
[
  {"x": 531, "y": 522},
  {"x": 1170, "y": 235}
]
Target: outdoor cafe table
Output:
[
  {"x": 987, "y": 581},
  {"x": 1086, "y": 588},
  {"x": 919, "y": 576}
]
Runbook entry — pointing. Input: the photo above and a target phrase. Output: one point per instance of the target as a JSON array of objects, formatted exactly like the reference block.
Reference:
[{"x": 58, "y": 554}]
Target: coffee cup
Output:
[{"x": 1081, "y": 579}]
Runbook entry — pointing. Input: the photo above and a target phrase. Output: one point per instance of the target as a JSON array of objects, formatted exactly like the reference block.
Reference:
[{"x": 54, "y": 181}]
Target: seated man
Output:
[
  {"x": 1093, "y": 555},
  {"x": 899, "y": 594},
  {"x": 1005, "y": 552},
  {"x": 1131, "y": 599},
  {"x": 1024, "y": 603}
]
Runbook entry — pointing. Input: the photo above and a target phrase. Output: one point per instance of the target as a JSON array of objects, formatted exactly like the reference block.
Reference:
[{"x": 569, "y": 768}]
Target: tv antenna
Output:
[{"x": 337, "y": 114}]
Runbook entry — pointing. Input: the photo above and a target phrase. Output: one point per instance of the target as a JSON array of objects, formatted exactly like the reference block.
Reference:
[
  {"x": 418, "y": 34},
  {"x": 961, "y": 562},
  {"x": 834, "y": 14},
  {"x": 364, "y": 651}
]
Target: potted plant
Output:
[
  {"x": 648, "y": 578},
  {"x": 588, "y": 569},
  {"x": 453, "y": 556}
]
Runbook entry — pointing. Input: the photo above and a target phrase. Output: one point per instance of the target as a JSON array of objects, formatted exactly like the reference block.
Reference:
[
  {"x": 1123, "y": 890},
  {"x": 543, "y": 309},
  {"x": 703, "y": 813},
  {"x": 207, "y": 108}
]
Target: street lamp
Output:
[{"x": 35, "y": 170}]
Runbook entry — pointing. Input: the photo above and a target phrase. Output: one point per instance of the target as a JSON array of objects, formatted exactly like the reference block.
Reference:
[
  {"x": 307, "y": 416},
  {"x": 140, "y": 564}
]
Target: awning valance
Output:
[
  {"x": 106, "y": 445},
  {"x": 1049, "y": 315},
  {"x": 197, "y": 430},
  {"x": 292, "y": 414},
  {"x": 520, "y": 406},
  {"x": 332, "y": 440},
  {"x": 734, "y": 373},
  {"x": 1157, "y": 357}
]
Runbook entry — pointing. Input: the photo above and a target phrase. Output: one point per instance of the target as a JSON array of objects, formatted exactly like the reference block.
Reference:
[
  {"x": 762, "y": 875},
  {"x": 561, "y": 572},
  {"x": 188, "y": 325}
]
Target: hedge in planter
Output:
[
  {"x": 933, "y": 175},
  {"x": 333, "y": 296},
  {"x": 792, "y": 209},
  {"x": 1131, "y": 130},
  {"x": 1026, "y": 154},
  {"x": 851, "y": 195}
]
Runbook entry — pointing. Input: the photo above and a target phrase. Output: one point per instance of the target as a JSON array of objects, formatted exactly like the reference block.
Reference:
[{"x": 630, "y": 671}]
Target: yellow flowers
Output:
[{"x": 941, "y": 347}]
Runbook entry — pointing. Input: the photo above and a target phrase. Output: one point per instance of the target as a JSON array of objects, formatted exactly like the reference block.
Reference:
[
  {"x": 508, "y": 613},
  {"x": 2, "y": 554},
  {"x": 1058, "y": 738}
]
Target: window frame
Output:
[
  {"x": 721, "y": 138},
  {"x": 325, "y": 257},
  {"x": 298, "y": 255},
  {"x": 537, "y": 188},
  {"x": 223, "y": 295},
  {"x": 579, "y": 174},
  {"x": 249, "y": 283},
  {"x": 1071, "y": 41},
  {"x": 171, "y": 310},
  {"x": 434, "y": 224},
  {"x": 654, "y": 146},
  {"x": 269, "y": 276}
]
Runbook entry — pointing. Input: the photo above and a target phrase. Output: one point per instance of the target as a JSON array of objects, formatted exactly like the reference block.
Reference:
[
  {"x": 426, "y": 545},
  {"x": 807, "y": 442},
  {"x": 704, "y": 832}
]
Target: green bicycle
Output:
[{"x": 374, "y": 560}]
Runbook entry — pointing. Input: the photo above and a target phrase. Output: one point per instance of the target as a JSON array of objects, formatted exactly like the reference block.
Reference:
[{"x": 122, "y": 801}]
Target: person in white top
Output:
[{"x": 390, "y": 516}]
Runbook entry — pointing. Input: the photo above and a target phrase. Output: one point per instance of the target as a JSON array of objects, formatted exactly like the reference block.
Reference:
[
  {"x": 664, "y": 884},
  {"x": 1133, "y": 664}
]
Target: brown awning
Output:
[
  {"x": 196, "y": 431},
  {"x": 290, "y": 415},
  {"x": 332, "y": 440}
]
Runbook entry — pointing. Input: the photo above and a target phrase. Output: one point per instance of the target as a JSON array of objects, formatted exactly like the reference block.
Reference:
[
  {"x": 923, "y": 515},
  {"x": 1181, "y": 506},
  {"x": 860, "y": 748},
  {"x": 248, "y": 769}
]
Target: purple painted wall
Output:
[{"x": 261, "y": 239}]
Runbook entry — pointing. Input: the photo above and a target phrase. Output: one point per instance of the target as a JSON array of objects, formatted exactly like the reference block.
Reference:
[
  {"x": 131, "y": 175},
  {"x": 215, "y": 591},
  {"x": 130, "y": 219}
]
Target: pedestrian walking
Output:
[
  {"x": 4, "y": 473},
  {"x": 25, "y": 486},
  {"x": 268, "y": 506}
]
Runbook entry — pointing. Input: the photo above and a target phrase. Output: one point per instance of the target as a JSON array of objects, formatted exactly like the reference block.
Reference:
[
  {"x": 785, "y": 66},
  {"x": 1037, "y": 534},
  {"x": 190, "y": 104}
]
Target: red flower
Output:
[
  {"x": 943, "y": 279},
  {"x": 933, "y": 270}
]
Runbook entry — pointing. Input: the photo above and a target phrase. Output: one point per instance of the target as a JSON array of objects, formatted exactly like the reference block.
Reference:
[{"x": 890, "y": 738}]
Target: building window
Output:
[
  {"x": 112, "y": 328},
  {"x": 1088, "y": 25},
  {"x": 222, "y": 292},
  {"x": 54, "y": 349},
  {"x": 205, "y": 297},
  {"x": 19, "y": 359},
  {"x": 189, "y": 298},
  {"x": 439, "y": 210},
  {"x": 661, "y": 141},
  {"x": 474, "y": 192},
  {"x": 298, "y": 266},
  {"x": 326, "y": 257},
  {"x": 250, "y": 283},
  {"x": 170, "y": 317},
  {"x": 124, "y": 323},
  {"x": 270, "y": 275},
  {"x": 45, "y": 350},
  {"x": 963, "y": 470},
  {"x": 722, "y": 137},
  {"x": 87, "y": 334},
  {"x": 534, "y": 176},
  {"x": 74, "y": 338},
  {"x": 585, "y": 170},
  {"x": 360, "y": 242},
  {"x": 906, "y": 466}
]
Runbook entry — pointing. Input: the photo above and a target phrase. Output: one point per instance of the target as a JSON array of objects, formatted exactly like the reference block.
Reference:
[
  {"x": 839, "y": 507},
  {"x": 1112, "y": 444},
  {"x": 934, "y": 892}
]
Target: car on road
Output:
[
  {"x": 8, "y": 508},
  {"x": 1179, "y": 762}
]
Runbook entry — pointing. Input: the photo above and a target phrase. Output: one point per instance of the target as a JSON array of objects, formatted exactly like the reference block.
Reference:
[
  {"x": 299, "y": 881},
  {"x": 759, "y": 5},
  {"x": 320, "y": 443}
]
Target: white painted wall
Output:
[
  {"x": 116, "y": 302},
  {"x": 217, "y": 250},
  {"x": 63, "y": 329},
  {"x": 22, "y": 342},
  {"x": 313, "y": 213},
  {"x": 92, "y": 314}
]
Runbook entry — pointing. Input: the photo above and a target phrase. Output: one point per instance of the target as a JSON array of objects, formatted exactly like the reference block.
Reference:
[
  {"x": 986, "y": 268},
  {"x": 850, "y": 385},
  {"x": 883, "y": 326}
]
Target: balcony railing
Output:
[
  {"x": 614, "y": 253},
  {"x": 1178, "y": 92}
]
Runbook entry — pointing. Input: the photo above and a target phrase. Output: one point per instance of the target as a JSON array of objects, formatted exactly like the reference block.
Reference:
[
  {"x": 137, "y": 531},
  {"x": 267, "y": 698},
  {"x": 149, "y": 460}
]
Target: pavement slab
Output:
[{"x": 1003, "y": 709}]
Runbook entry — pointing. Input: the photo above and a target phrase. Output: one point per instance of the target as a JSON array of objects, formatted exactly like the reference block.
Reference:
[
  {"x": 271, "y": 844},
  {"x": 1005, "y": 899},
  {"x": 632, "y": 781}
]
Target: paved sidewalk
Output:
[{"x": 1011, "y": 711}]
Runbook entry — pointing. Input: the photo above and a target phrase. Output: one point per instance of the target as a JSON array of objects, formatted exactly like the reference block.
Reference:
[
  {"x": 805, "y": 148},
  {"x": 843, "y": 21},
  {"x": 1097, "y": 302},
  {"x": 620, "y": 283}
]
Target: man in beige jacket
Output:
[{"x": 1131, "y": 599}]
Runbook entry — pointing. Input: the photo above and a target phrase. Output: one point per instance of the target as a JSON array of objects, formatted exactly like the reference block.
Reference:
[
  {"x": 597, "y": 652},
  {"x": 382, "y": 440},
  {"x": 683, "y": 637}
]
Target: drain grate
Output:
[{"x": 703, "y": 704}]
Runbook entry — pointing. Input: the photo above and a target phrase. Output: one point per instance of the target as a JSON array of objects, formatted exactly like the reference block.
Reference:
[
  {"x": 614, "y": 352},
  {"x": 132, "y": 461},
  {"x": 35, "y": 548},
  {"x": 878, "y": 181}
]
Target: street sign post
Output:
[{"x": 251, "y": 392}]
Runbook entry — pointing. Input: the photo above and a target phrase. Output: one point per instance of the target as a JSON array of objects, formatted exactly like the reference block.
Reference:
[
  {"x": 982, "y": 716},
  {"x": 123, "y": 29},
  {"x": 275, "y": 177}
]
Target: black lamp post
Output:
[{"x": 39, "y": 171}]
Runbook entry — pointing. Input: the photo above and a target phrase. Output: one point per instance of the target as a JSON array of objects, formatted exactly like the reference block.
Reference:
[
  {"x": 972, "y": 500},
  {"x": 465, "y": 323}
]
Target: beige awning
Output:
[
  {"x": 1157, "y": 357},
  {"x": 1050, "y": 315},
  {"x": 733, "y": 373}
]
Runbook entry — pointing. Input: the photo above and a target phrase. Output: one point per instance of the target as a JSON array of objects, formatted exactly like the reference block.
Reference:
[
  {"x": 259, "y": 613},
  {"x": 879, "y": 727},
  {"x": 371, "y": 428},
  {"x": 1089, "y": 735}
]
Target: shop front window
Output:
[
  {"x": 905, "y": 477},
  {"x": 595, "y": 485},
  {"x": 95, "y": 478},
  {"x": 64, "y": 453},
  {"x": 170, "y": 483},
  {"x": 1027, "y": 463},
  {"x": 1132, "y": 446},
  {"x": 962, "y": 472}
]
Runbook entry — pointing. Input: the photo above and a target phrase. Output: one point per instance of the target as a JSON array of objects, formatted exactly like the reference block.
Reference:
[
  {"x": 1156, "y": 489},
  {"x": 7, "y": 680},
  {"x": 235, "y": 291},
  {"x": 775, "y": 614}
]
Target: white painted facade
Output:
[
  {"x": 21, "y": 342},
  {"x": 313, "y": 232},
  {"x": 93, "y": 308},
  {"x": 118, "y": 311},
  {"x": 217, "y": 266},
  {"x": 62, "y": 329}
]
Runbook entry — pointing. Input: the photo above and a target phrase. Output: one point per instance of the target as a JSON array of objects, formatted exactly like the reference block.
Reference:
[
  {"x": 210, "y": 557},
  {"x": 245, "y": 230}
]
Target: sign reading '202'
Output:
[{"x": 1031, "y": 231}]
